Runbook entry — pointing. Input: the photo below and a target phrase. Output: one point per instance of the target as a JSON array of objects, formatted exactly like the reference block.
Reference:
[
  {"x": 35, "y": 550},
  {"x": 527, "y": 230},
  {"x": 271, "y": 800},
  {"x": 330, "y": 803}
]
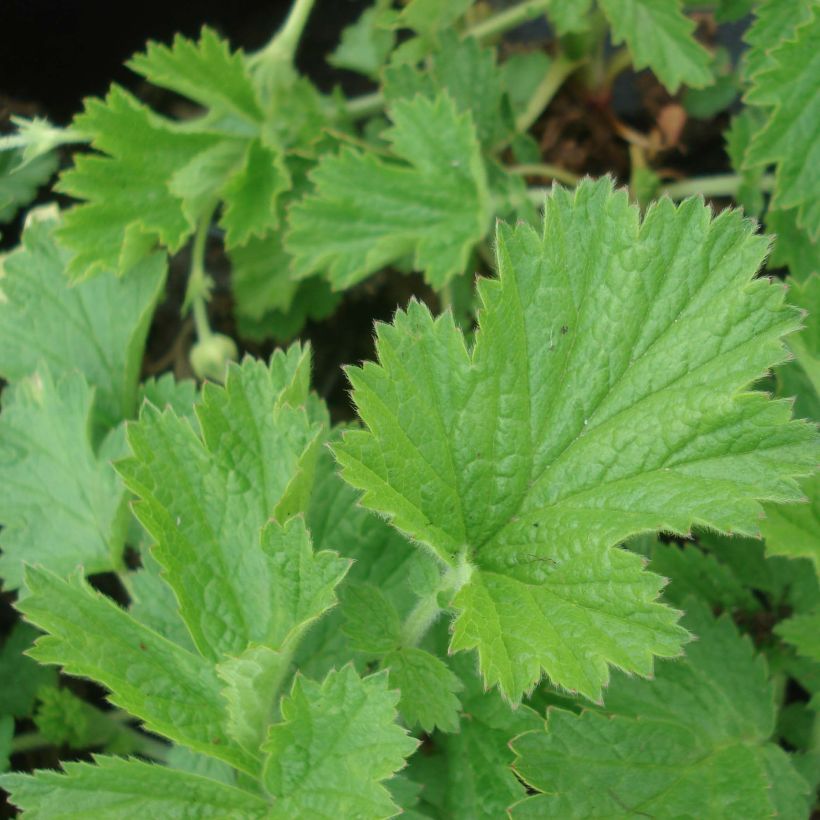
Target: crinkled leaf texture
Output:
[
  {"x": 367, "y": 212},
  {"x": 226, "y": 505},
  {"x": 114, "y": 788},
  {"x": 603, "y": 397},
  {"x": 691, "y": 743},
  {"x": 336, "y": 741}
]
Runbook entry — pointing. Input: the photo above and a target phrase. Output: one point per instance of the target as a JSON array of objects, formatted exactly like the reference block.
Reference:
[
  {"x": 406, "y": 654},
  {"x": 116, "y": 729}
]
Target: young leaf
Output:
[
  {"x": 788, "y": 86},
  {"x": 694, "y": 738},
  {"x": 337, "y": 741},
  {"x": 428, "y": 689},
  {"x": 19, "y": 180},
  {"x": 20, "y": 676},
  {"x": 372, "y": 624},
  {"x": 602, "y": 398},
  {"x": 660, "y": 37},
  {"x": 206, "y": 499},
  {"x": 96, "y": 327},
  {"x": 794, "y": 531},
  {"x": 204, "y": 71},
  {"x": 177, "y": 693},
  {"x": 366, "y": 212},
  {"x": 366, "y": 44},
  {"x": 775, "y": 21},
  {"x": 114, "y": 788},
  {"x": 793, "y": 247},
  {"x": 128, "y": 204},
  {"x": 62, "y": 503}
]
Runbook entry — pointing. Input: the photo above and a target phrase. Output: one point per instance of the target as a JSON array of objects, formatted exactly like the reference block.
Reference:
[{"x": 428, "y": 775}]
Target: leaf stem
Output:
[
  {"x": 509, "y": 18},
  {"x": 559, "y": 70},
  {"x": 542, "y": 169},
  {"x": 427, "y": 610},
  {"x": 199, "y": 283},
  {"x": 718, "y": 186},
  {"x": 282, "y": 46},
  {"x": 364, "y": 106}
]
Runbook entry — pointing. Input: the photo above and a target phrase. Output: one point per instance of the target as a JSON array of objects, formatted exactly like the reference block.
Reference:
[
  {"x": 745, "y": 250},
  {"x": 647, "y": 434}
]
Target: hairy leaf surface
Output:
[{"x": 602, "y": 398}]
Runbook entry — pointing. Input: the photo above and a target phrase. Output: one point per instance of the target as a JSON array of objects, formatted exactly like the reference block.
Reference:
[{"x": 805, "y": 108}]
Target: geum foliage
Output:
[
  {"x": 693, "y": 742},
  {"x": 605, "y": 395},
  {"x": 226, "y": 507}
]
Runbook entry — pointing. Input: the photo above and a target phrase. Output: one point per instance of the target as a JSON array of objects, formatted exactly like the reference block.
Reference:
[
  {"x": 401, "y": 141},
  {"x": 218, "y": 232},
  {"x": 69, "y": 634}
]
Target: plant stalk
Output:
[
  {"x": 282, "y": 46},
  {"x": 509, "y": 18},
  {"x": 559, "y": 70},
  {"x": 546, "y": 171},
  {"x": 718, "y": 185},
  {"x": 199, "y": 284}
]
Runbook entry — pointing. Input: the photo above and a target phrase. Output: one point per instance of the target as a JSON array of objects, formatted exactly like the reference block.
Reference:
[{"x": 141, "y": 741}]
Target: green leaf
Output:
[
  {"x": 793, "y": 246},
  {"x": 367, "y": 213},
  {"x": 775, "y": 22},
  {"x": 128, "y": 204},
  {"x": 20, "y": 676},
  {"x": 428, "y": 689},
  {"x": 602, "y": 398},
  {"x": 366, "y": 44},
  {"x": 97, "y": 327},
  {"x": 114, "y": 788},
  {"x": 694, "y": 739},
  {"x": 468, "y": 774},
  {"x": 6, "y": 738},
  {"x": 251, "y": 195},
  {"x": 794, "y": 531},
  {"x": 19, "y": 180},
  {"x": 741, "y": 131},
  {"x": 177, "y": 693},
  {"x": 371, "y": 622},
  {"x": 430, "y": 16},
  {"x": 569, "y": 16},
  {"x": 788, "y": 87},
  {"x": 337, "y": 742},
  {"x": 660, "y": 36},
  {"x": 205, "y": 499},
  {"x": 204, "y": 71},
  {"x": 62, "y": 504},
  {"x": 693, "y": 572},
  {"x": 467, "y": 72},
  {"x": 802, "y": 631}
]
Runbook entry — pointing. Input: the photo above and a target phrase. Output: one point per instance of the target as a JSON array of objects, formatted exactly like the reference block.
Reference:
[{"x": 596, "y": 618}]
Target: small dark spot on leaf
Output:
[
  {"x": 143, "y": 647},
  {"x": 564, "y": 330}
]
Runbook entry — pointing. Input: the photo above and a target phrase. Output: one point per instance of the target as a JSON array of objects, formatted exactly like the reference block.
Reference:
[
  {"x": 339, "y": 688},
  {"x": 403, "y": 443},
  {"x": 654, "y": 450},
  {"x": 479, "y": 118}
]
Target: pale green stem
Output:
[
  {"x": 427, "y": 610},
  {"x": 509, "y": 18},
  {"x": 546, "y": 171},
  {"x": 199, "y": 284},
  {"x": 366, "y": 105},
  {"x": 283, "y": 45},
  {"x": 718, "y": 185},
  {"x": 143, "y": 745},
  {"x": 559, "y": 70}
]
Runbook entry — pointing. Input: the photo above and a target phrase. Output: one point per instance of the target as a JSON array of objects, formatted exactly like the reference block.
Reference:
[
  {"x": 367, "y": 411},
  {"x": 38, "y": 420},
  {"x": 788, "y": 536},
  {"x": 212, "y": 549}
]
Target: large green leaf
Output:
[
  {"x": 96, "y": 327},
  {"x": 114, "y": 788},
  {"x": 206, "y": 500},
  {"x": 603, "y": 397},
  {"x": 693, "y": 742},
  {"x": 62, "y": 503},
  {"x": 367, "y": 212}
]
